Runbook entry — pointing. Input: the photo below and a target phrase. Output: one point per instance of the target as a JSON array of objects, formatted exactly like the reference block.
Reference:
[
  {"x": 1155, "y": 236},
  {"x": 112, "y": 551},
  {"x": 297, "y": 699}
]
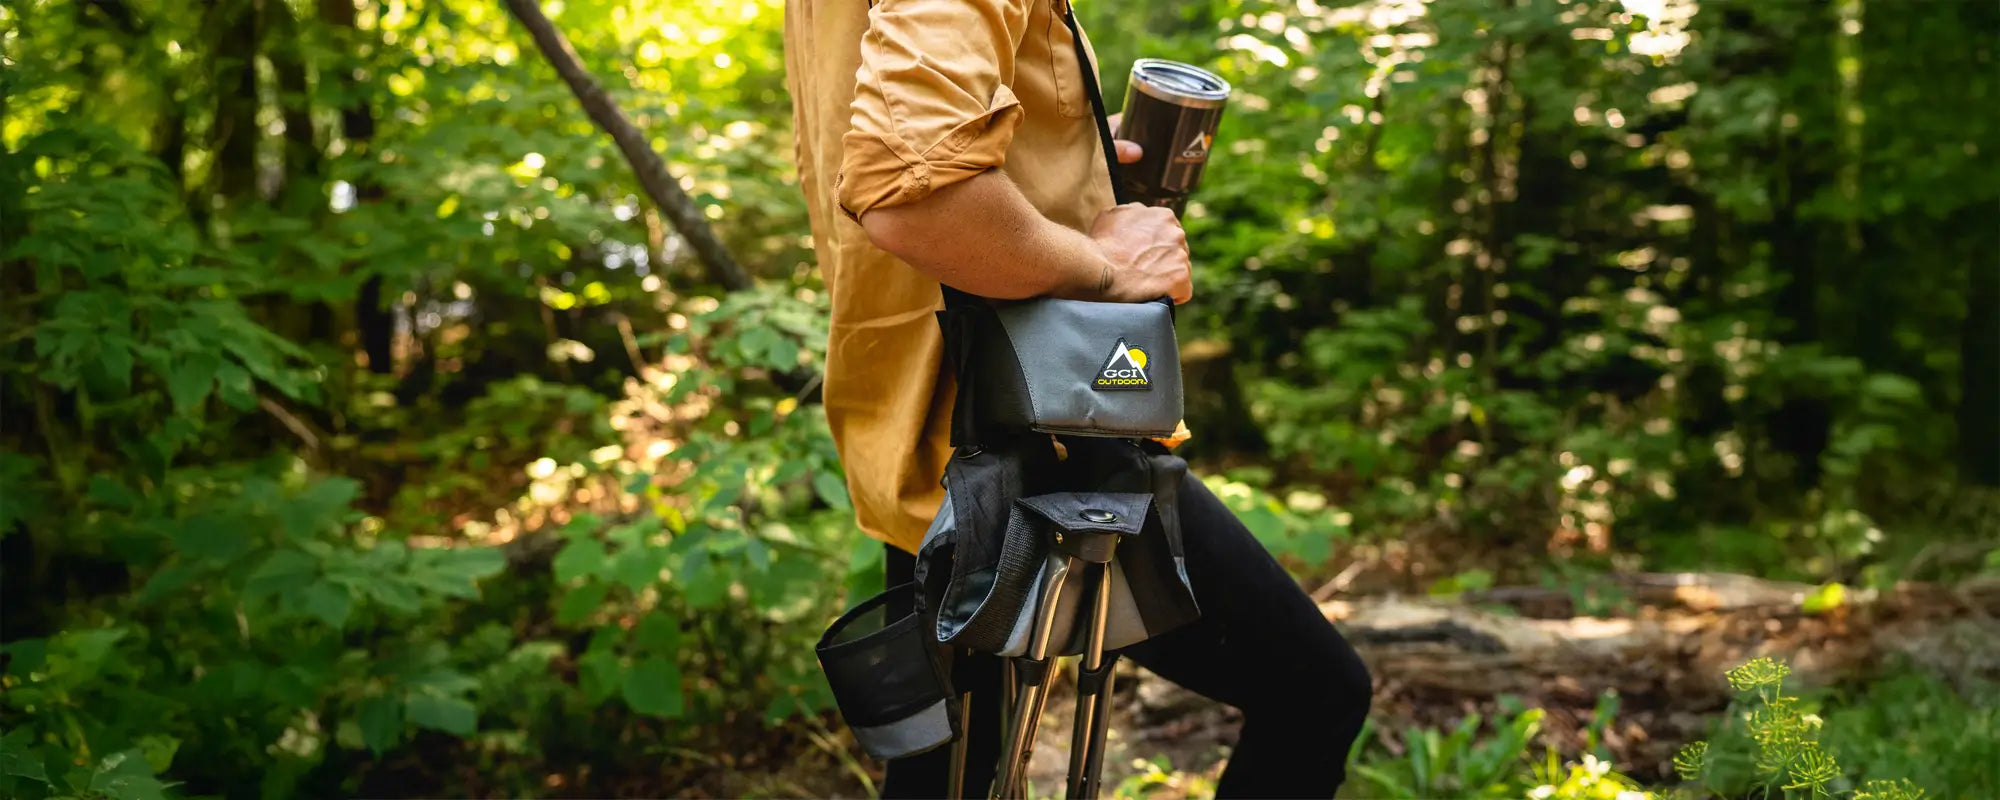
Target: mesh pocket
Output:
[{"x": 879, "y": 662}]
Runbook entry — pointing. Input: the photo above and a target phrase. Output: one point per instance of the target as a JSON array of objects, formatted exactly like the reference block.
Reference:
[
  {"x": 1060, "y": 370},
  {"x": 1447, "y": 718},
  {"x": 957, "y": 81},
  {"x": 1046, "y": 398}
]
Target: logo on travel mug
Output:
[{"x": 1171, "y": 110}]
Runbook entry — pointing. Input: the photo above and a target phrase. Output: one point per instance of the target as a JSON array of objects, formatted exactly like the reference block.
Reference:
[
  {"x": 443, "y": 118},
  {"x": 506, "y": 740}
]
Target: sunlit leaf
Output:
[
  {"x": 579, "y": 558},
  {"x": 638, "y": 567},
  {"x": 831, "y": 489}
]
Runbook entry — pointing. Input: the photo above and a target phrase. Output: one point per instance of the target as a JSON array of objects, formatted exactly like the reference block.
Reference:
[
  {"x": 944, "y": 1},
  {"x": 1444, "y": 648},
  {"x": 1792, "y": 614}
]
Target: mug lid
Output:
[{"x": 1179, "y": 83}]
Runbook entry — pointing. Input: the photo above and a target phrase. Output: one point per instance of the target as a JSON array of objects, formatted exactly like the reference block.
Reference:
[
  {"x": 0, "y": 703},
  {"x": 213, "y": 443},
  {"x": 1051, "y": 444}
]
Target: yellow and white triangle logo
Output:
[{"x": 1124, "y": 370}]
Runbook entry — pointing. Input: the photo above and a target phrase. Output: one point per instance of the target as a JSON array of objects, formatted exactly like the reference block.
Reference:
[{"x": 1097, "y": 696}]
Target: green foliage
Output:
[
  {"x": 1913, "y": 729},
  {"x": 1157, "y": 775},
  {"x": 1476, "y": 759},
  {"x": 1899, "y": 738},
  {"x": 1555, "y": 269},
  {"x": 126, "y": 775},
  {"x": 1300, "y": 528},
  {"x": 362, "y": 417}
]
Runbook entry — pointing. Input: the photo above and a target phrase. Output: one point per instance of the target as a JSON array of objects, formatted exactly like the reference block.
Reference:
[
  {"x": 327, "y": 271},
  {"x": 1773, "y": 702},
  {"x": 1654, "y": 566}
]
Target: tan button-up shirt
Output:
[{"x": 889, "y": 105}]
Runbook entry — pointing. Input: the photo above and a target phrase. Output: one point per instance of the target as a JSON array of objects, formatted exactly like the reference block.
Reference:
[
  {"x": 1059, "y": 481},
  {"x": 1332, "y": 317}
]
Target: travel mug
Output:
[{"x": 1171, "y": 110}]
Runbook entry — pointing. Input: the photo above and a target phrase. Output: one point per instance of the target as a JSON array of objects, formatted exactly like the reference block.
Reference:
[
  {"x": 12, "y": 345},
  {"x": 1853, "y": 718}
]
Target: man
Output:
[{"x": 952, "y": 140}]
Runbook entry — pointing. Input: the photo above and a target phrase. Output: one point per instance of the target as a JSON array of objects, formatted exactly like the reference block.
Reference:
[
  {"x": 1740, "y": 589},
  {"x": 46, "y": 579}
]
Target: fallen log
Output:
[{"x": 1437, "y": 659}]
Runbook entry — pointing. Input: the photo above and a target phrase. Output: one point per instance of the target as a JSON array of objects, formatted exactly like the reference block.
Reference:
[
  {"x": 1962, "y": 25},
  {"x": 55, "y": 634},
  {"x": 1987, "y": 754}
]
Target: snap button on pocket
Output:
[{"x": 1098, "y": 515}]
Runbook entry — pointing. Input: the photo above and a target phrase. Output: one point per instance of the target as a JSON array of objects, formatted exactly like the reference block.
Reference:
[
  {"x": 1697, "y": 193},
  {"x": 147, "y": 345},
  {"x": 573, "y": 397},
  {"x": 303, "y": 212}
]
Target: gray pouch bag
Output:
[{"x": 1065, "y": 366}]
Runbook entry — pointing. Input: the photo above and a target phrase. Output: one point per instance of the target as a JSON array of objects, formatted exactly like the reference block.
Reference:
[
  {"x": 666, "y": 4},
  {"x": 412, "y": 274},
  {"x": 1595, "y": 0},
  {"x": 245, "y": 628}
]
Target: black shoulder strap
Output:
[
  {"x": 1096, "y": 100},
  {"x": 957, "y": 318}
]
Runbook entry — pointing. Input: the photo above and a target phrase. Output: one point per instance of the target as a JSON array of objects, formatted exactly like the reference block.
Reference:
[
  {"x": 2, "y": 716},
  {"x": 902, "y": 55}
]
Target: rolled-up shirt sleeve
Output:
[{"x": 932, "y": 105}]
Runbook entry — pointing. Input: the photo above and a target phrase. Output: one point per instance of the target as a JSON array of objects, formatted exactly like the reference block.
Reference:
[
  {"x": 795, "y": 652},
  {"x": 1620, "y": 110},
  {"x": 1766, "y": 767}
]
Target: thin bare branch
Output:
[{"x": 646, "y": 164}]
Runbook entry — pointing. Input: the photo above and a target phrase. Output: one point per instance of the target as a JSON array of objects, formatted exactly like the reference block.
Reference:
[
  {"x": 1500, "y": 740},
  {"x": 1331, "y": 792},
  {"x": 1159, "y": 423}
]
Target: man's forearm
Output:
[{"x": 982, "y": 236}]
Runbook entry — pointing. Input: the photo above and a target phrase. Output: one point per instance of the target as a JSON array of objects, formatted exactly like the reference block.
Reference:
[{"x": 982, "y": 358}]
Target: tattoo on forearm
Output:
[{"x": 1104, "y": 280}]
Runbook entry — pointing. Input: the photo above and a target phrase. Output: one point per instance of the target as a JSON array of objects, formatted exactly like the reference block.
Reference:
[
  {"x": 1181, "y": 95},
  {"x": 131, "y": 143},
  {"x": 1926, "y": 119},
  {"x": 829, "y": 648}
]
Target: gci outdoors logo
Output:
[
  {"x": 1196, "y": 150},
  {"x": 1125, "y": 370}
]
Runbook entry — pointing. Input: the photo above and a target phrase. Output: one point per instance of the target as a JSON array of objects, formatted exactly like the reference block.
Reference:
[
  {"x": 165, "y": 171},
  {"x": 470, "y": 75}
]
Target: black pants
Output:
[{"x": 1260, "y": 645}]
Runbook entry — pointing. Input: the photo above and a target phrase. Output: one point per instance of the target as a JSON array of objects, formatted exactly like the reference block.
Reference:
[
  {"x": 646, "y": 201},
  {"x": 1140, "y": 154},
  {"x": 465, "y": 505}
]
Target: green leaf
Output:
[
  {"x": 1894, "y": 388},
  {"x": 758, "y": 555},
  {"x": 212, "y": 537},
  {"x": 700, "y": 581},
  {"x": 598, "y": 671},
  {"x": 579, "y": 603},
  {"x": 124, "y": 776},
  {"x": 191, "y": 381},
  {"x": 28, "y": 656},
  {"x": 129, "y": 787},
  {"x": 19, "y": 758},
  {"x": 396, "y": 595},
  {"x": 283, "y": 569},
  {"x": 1825, "y": 598},
  {"x": 443, "y": 681},
  {"x": 89, "y": 648},
  {"x": 159, "y": 751},
  {"x": 111, "y": 493},
  {"x": 236, "y": 388},
  {"x": 580, "y": 557},
  {"x": 832, "y": 489},
  {"x": 329, "y": 603},
  {"x": 653, "y": 686},
  {"x": 638, "y": 567},
  {"x": 115, "y": 358},
  {"x": 381, "y": 721},
  {"x": 456, "y": 572},
  {"x": 658, "y": 634},
  {"x": 319, "y": 505},
  {"x": 1313, "y": 547},
  {"x": 449, "y": 714}
]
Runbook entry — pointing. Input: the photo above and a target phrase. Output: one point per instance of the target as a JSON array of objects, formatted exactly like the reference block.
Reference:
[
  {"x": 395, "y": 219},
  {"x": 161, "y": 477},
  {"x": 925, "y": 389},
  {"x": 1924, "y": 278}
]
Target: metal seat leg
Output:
[
  {"x": 958, "y": 748},
  {"x": 1093, "y": 695},
  {"x": 1033, "y": 668}
]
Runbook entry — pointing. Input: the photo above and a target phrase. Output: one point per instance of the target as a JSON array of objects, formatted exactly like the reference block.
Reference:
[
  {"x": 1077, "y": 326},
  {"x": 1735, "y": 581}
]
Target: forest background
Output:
[{"x": 379, "y": 418}]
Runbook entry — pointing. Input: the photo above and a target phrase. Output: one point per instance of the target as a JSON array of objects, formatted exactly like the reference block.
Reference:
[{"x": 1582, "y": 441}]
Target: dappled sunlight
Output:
[{"x": 379, "y": 425}]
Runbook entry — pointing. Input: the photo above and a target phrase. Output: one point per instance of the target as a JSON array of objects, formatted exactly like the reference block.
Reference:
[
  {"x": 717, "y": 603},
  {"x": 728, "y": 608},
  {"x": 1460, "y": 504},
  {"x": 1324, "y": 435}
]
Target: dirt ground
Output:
[{"x": 1436, "y": 660}]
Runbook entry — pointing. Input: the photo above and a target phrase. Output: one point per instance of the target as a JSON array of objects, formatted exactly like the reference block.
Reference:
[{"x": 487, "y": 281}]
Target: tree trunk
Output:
[
  {"x": 232, "y": 132},
  {"x": 285, "y": 47},
  {"x": 646, "y": 165},
  {"x": 376, "y": 326},
  {"x": 1979, "y": 376},
  {"x": 1806, "y": 154}
]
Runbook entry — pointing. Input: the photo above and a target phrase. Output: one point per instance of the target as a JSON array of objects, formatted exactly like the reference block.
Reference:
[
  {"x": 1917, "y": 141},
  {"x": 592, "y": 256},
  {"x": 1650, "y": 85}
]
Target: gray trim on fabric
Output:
[
  {"x": 1123, "y": 624},
  {"x": 908, "y": 736}
]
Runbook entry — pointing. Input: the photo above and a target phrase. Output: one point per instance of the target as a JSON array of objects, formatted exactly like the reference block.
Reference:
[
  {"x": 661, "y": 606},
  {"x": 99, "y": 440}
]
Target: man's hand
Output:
[
  {"x": 1145, "y": 248},
  {"x": 1147, "y": 255},
  {"x": 1129, "y": 152},
  {"x": 983, "y": 237}
]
